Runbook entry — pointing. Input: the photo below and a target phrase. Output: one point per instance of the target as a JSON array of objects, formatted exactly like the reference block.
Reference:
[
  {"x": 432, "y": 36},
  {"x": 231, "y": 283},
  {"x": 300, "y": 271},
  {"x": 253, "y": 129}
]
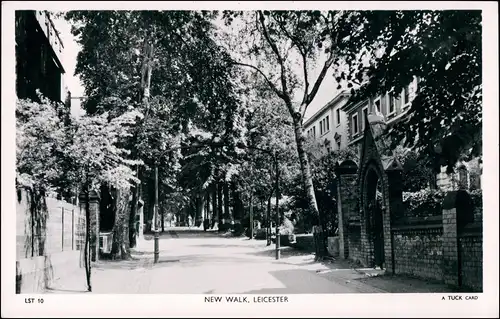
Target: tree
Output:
[
  {"x": 281, "y": 40},
  {"x": 40, "y": 141},
  {"x": 97, "y": 159},
  {"x": 164, "y": 64},
  {"x": 55, "y": 151},
  {"x": 443, "y": 50}
]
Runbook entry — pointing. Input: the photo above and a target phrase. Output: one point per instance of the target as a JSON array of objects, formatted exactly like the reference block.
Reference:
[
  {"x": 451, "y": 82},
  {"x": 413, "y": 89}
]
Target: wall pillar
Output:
[
  {"x": 450, "y": 243},
  {"x": 347, "y": 197},
  {"x": 395, "y": 211},
  {"x": 457, "y": 212}
]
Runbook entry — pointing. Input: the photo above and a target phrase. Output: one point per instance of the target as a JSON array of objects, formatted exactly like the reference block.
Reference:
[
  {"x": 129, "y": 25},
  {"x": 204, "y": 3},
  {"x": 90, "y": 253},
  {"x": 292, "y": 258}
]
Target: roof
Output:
[
  {"x": 335, "y": 100},
  {"x": 351, "y": 106}
]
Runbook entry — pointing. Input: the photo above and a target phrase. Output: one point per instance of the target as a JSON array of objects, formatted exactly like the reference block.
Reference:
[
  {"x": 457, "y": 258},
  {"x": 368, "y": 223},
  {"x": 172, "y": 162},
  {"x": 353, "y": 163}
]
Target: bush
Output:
[
  {"x": 477, "y": 203},
  {"x": 423, "y": 203},
  {"x": 238, "y": 230},
  {"x": 287, "y": 227},
  {"x": 224, "y": 227}
]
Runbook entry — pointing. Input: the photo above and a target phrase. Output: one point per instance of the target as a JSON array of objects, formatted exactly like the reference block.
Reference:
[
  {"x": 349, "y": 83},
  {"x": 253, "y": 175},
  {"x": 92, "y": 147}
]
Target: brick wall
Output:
[
  {"x": 418, "y": 252},
  {"x": 471, "y": 256},
  {"x": 355, "y": 249}
]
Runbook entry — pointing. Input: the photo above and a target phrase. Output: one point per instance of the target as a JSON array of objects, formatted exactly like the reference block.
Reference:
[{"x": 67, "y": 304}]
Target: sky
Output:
[
  {"x": 69, "y": 54},
  {"x": 326, "y": 92}
]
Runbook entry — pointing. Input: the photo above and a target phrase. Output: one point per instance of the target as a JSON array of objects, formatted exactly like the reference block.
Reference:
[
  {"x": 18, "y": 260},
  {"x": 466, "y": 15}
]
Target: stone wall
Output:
[
  {"x": 418, "y": 251},
  {"x": 471, "y": 268},
  {"x": 63, "y": 228},
  {"x": 46, "y": 253}
]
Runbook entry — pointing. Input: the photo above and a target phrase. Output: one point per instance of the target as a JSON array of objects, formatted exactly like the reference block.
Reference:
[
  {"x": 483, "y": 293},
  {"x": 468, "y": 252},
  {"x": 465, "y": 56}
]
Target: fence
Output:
[{"x": 60, "y": 229}]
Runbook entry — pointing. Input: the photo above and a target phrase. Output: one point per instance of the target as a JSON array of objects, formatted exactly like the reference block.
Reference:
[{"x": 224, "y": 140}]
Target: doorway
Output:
[{"x": 374, "y": 217}]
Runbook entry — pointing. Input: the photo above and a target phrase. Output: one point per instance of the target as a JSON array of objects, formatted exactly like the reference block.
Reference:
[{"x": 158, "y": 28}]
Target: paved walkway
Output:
[{"x": 194, "y": 262}]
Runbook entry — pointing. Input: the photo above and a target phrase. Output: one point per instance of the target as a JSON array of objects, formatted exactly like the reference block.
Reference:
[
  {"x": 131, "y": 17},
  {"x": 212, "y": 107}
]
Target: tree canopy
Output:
[{"x": 443, "y": 50}]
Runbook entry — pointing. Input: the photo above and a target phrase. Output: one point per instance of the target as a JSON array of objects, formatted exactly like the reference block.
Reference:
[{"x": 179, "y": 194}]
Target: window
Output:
[
  {"x": 378, "y": 105},
  {"x": 324, "y": 125},
  {"x": 391, "y": 103},
  {"x": 338, "y": 116},
  {"x": 406, "y": 96},
  {"x": 314, "y": 132},
  {"x": 338, "y": 141},
  {"x": 365, "y": 116},
  {"x": 355, "y": 128}
]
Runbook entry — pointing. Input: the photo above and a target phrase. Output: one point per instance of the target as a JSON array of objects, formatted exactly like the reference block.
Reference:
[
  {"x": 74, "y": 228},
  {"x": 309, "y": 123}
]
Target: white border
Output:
[{"x": 321, "y": 305}]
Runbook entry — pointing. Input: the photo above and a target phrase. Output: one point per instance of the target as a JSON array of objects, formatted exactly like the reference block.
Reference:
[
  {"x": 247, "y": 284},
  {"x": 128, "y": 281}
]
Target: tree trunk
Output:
[
  {"x": 268, "y": 230},
  {"x": 219, "y": 203},
  {"x": 307, "y": 177},
  {"x": 199, "y": 211},
  {"x": 121, "y": 244},
  {"x": 133, "y": 214},
  {"x": 251, "y": 215},
  {"x": 214, "y": 205},
  {"x": 227, "y": 213},
  {"x": 207, "y": 204},
  {"x": 86, "y": 252}
]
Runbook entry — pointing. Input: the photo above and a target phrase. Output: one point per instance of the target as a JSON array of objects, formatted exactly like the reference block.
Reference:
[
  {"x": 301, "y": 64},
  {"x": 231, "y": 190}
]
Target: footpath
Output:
[{"x": 196, "y": 263}]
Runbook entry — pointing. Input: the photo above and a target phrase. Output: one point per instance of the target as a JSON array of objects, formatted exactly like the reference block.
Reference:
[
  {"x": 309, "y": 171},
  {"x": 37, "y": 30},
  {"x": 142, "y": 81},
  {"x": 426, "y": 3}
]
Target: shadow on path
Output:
[
  {"x": 60, "y": 290},
  {"x": 300, "y": 281}
]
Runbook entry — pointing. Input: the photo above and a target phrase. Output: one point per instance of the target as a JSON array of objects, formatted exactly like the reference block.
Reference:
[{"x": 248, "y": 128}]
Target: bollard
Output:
[{"x": 157, "y": 246}]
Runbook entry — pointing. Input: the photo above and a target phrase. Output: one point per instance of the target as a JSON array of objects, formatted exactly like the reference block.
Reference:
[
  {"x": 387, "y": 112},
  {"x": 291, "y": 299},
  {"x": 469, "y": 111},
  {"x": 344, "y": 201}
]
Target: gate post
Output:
[
  {"x": 346, "y": 202},
  {"x": 396, "y": 209}
]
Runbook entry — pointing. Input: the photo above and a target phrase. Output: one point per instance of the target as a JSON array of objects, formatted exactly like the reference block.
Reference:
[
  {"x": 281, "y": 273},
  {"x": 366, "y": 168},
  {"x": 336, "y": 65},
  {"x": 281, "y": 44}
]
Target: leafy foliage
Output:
[
  {"x": 40, "y": 140},
  {"x": 96, "y": 154},
  {"x": 423, "y": 203},
  {"x": 443, "y": 50}
]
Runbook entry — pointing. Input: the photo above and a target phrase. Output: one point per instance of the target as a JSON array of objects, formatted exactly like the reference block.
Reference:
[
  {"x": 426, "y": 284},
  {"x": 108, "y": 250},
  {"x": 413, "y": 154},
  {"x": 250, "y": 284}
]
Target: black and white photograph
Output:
[{"x": 249, "y": 155}]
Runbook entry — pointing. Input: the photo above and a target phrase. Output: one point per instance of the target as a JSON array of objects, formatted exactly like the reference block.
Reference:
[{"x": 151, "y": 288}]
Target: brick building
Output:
[
  {"x": 326, "y": 129},
  {"x": 39, "y": 50},
  {"x": 390, "y": 107}
]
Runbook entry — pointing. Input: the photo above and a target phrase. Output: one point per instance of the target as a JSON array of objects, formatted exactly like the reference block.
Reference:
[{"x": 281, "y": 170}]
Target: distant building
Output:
[
  {"x": 390, "y": 106},
  {"x": 75, "y": 104},
  {"x": 38, "y": 56},
  {"x": 326, "y": 130}
]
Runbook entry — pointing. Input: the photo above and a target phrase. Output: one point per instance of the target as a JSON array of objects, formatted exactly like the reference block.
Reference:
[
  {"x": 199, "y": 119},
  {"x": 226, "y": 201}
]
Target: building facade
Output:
[
  {"x": 326, "y": 130},
  {"x": 39, "y": 50},
  {"x": 390, "y": 106}
]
